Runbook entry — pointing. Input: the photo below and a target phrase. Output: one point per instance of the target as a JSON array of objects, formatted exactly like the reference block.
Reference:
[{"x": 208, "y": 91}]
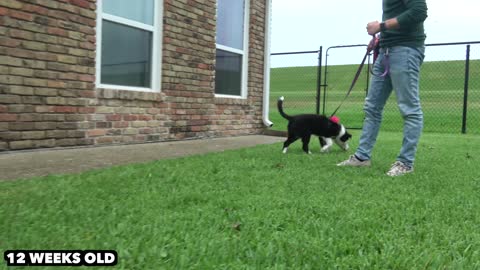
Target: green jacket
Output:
[{"x": 410, "y": 15}]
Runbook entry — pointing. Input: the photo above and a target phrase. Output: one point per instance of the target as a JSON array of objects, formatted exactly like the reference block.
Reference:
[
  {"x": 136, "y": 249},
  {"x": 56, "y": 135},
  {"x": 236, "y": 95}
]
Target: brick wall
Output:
[{"x": 47, "y": 79}]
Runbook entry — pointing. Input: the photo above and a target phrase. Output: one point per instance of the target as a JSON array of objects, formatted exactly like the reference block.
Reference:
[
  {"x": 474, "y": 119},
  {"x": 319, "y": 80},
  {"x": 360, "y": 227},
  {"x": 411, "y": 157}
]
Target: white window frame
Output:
[
  {"x": 156, "y": 30},
  {"x": 244, "y": 53}
]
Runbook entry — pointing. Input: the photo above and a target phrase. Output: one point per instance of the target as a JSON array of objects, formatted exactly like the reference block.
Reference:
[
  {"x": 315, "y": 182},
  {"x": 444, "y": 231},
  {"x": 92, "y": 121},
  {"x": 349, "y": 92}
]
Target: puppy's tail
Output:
[{"x": 280, "y": 109}]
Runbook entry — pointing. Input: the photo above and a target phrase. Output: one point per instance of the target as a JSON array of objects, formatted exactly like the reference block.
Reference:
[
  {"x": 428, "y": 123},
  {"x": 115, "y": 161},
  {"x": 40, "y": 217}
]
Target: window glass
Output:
[
  {"x": 230, "y": 23},
  {"x": 136, "y": 10},
  {"x": 228, "y": 73},
  {"x": 126, "y": 55}
]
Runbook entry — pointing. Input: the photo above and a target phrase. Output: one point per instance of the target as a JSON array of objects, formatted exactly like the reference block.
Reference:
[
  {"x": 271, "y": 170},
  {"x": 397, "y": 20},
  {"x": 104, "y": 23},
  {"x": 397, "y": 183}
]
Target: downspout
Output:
[{"x": 266, "y": 72}]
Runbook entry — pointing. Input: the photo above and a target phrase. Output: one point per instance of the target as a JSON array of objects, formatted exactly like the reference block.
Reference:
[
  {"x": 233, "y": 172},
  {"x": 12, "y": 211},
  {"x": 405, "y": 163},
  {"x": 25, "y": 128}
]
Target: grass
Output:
[
  {"x": 256, "y": 208},
  {"x": 441, "y": 90}
]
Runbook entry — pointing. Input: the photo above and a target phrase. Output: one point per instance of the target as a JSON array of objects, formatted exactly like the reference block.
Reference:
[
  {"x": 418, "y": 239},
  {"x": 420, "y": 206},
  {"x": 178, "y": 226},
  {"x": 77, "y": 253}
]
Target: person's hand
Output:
[
  {"x": 373, "y": 43},
  {"x": 373, "y": 28}
]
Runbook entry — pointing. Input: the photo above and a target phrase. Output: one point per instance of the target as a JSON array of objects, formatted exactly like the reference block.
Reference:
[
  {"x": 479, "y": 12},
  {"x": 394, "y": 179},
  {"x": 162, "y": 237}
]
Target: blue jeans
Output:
[{"x": 403, "y": 77}]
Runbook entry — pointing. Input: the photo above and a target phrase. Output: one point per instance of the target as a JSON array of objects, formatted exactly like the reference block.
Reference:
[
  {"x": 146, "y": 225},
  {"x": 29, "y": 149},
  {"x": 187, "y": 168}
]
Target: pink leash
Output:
[
  {"x": 374, "y": 45},
  {"x": 371, "y": 46}
]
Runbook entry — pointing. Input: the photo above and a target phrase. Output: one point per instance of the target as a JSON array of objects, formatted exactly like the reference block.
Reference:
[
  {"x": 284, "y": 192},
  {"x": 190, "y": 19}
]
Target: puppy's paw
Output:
[{"x": 325, "y": 149}]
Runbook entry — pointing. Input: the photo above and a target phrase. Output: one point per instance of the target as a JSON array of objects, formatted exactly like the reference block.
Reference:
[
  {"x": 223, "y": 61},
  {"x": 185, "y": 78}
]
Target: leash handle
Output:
[
  {"x": 372, "y": 46},
  {"x": 386, "y": 65}
]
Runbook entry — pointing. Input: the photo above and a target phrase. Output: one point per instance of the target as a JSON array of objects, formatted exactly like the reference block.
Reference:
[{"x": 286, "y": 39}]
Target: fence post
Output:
[
  {"x": 465, "y": 91},
  {"x": 319, "y": 80},
  {"x": 325, "y": 82}
]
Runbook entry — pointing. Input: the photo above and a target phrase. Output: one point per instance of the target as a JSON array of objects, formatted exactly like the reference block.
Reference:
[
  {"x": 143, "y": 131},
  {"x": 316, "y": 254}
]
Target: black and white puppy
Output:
[{"x": 305, "y": 125}]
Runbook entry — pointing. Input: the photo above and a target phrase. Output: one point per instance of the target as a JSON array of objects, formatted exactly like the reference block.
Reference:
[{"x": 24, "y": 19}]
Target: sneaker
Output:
[
  {"x": 353, "y": 161},
  {"x": 399, "y": 168}
]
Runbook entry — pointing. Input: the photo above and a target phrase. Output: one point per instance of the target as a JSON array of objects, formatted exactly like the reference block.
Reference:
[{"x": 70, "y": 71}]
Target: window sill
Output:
[
  {"x": 230, "y": 100},
  {"x": 126, "y": 88},
  {"x": 121, "y": 94},
  {"x": 229, "y": 96}
]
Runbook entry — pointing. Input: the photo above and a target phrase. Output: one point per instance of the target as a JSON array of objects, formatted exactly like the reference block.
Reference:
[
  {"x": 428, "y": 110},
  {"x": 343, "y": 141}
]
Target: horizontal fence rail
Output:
[{"x": 449, "y": 86}]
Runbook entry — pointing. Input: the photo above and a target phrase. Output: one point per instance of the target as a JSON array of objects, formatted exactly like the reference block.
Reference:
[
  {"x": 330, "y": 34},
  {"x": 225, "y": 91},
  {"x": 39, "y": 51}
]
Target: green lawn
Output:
[
  {"x": 442, "y": 88},
  {"x": 257, "y": 208}
]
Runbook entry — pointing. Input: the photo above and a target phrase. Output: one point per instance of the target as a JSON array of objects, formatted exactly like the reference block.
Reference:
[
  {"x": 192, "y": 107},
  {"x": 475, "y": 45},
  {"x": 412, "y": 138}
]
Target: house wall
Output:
[{"x": 48, "y": 96}]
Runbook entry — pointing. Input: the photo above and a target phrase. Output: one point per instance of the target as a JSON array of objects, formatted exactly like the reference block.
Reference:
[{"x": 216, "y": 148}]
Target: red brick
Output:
[
  {"x": 196, "y": 128},
  {"x": 140, "y": 138},
  {"x": 57, "y": 31},
  {"x": 144, "y": 117},
  {"x": 35, "y": 9},
  {"x": 7, "y": 117},
  {"x": 130, "y": 117},
  {"x": 114, "y": 117},
  {"x": 65, "y": 109},
  {"x": 96, "y": 132},
  {"x": 203, "y": 66},
  {"x": 146, "y": 131},
  {"x": 87, "y": 45},
  {"x": 80, "y": 3},
  {"x": 21, "y": 15},
  {"x": 86, "y": 78},
  {"x": 120, "y": 124},
  {"x": 3, "y": 11},
  {"x": 45, "y": 56},
  {"x": 198, "y": 122},
  {"x": 56, "y": 84},
  {"x": 87, "y": 94},
  {"x": 3, "y": 108},
  {"x": 183, "y": 50}
]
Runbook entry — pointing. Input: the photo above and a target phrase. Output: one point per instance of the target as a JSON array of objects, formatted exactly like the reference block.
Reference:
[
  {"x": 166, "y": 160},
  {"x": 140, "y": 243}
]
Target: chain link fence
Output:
[{"x": 449, "y": 87}]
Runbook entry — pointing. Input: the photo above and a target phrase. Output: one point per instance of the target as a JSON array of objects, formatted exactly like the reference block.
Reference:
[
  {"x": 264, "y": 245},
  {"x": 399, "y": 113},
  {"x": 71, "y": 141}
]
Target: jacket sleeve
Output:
[{"x": 416, "y": 13}]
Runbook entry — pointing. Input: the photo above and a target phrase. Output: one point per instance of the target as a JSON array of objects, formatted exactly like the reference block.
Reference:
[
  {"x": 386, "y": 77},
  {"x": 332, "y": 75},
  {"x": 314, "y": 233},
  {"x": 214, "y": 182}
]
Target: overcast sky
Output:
[{"x": 304, "y": 25}]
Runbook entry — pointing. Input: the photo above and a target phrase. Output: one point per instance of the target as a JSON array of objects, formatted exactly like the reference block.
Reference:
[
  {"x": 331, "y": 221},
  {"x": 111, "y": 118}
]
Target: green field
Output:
[
  {"x": 442, "y": 91},
  {"x": 257, "y": 208}
]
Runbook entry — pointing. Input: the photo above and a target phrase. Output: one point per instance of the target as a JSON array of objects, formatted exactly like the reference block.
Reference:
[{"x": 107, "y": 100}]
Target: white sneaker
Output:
[
  {"x": 353, "y": 161},
  {"x": 399, "y": 168}
]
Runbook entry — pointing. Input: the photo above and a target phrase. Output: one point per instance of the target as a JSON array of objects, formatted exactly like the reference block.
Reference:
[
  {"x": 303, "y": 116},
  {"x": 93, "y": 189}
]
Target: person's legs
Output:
[
  {"x": 405, "y": 73},
  {"x": 378, "y": 94}
]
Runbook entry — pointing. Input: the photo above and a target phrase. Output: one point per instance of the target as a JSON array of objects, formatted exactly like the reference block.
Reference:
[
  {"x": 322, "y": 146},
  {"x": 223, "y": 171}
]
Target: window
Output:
[
  {"x": 232, "y": 44},
  {"x": 127, "y": 44}
]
